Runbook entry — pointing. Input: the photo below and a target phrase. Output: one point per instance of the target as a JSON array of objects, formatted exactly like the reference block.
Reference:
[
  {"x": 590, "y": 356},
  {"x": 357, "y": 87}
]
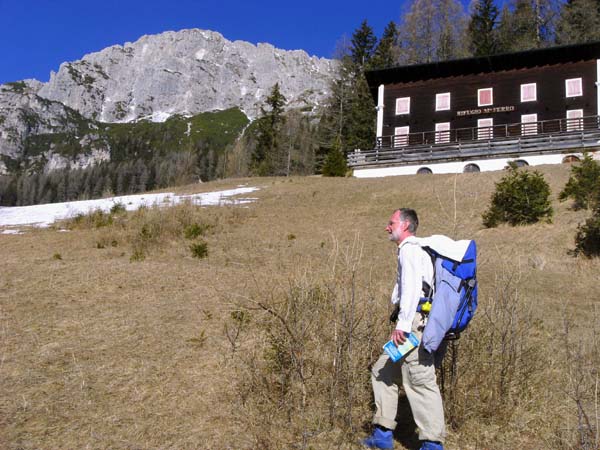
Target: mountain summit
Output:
[{"x": 185, "y": 72}]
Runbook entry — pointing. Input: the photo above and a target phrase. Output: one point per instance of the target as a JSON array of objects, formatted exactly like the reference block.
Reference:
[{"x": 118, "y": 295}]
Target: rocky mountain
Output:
[
  {"x": 24, "y": 115},
  {"x": 180, "y": 73}
]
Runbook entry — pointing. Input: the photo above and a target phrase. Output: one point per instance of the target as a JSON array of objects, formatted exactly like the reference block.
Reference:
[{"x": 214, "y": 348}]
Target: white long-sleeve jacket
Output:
[{"x": 414, "y": 267}]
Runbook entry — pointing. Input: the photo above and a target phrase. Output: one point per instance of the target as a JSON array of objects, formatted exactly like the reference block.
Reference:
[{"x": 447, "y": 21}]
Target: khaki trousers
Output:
[{"x": 417, "y": 373}]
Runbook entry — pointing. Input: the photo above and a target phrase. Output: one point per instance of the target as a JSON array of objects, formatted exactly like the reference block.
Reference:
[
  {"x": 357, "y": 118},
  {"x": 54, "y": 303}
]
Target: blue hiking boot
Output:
[
  {"x": 430, "y": 445},
  {"x": 379, "y": 439}
]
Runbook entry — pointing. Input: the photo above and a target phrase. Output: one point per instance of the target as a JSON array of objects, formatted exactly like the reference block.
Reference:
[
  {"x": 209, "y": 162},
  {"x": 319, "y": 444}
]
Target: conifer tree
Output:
[
  {"x": 61, "y": 177},
  {"x": 348, "y": 119},
  {"x": 8, "y": 190},
  {"x": 361, "y": 117},
  {"x": 335, "y": 162},
  {"x": 363, "y": 46},
  {"x": 504, "y": 30},
  {"x": 386, "y": 52},
  {"x": 482, "y": 35},
  {"x": 97, "y": 182},
  {"x": 579, "y": 22},
  {"x": 266, "y": 153},
  {"x": 583, "y": 185}
]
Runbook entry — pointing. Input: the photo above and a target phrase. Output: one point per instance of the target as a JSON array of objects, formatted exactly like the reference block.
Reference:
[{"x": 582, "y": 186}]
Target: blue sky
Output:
[{"x": 37, "y": 36}]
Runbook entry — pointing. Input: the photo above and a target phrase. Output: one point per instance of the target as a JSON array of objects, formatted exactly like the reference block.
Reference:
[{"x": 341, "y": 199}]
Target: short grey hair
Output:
[{"x": 410, "y": 216}]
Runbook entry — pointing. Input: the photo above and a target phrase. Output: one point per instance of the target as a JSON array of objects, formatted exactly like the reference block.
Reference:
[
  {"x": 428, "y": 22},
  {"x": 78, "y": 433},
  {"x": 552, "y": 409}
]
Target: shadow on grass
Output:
[{"x": 405, "y": 432}]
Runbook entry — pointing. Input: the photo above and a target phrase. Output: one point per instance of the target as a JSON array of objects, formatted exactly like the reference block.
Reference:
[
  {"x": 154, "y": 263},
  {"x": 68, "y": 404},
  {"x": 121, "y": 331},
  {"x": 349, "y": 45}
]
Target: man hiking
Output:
[{"x": 417, "y": 369}]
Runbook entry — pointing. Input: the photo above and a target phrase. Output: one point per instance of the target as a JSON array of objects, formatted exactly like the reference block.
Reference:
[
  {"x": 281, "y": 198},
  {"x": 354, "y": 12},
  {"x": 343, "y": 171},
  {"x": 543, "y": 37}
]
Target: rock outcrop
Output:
[{"x": 185, "y": 72}]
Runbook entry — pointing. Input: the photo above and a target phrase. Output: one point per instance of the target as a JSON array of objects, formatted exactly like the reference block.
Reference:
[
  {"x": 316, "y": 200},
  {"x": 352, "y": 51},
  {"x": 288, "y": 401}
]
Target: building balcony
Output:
[{"x": 464, "y": 144}]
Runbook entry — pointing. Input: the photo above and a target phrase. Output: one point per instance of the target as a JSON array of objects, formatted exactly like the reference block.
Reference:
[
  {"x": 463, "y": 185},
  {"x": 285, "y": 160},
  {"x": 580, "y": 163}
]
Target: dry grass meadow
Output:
[{"x": 117, "y": 337}]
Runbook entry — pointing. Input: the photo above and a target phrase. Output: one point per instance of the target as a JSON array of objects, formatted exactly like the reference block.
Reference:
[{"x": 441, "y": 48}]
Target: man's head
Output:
[{"x": 403, "y": 223}]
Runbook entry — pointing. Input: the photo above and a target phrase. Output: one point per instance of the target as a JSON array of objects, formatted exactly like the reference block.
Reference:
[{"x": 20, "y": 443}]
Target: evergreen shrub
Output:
[
  {"x": 587, "y": 239},
  {"x": 199, "y": 250},
  {"x": 335, "y": 162},
  {"x": 117, "y": 208},
  {"x": 522, "y": 197},
  {"x": 195, "y": 230},
  {"x": 583, "y": 185}
]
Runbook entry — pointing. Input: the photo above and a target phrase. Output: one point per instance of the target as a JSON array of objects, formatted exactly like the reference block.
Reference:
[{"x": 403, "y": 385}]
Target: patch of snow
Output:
[
  {"x": 189, "y": 129},
  {"x": 12, "y": 231},
  {"x": 160, "y": 116},
  {"x": 44, "y": 215}
]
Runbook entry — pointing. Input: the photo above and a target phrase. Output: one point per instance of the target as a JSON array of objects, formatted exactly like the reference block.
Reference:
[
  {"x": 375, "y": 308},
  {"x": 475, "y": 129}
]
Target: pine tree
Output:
[
  {"x": 61, "y": 185},
  {"x": 98, "y": 184},
  {"x": 482, "y": 35},
  {"x": 504, "y": 30},
  {"x": 335, "y": 162},
  {"x": 120, "y": 185},
  {"x": 8, "y": 190},
  {"x": 266, "y": 153},
  {"x": 361, "y": 117},
  {"x": 20, "y": 191},
  {"x": 363, "y": 44},
  {"x": 579, "y": 22},
  {"x": 583, "y": 185},
  {"x": 521, "y": 197},
  {"x": 348, "y": 119},
  {"x": 386, "y": 52},
  {"x": 32, "y": 183}
]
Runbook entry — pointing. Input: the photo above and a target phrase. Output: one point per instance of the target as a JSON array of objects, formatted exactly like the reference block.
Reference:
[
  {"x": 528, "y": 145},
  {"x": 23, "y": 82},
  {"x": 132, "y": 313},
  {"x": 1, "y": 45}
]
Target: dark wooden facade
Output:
[{"x": 547, "y": 68}]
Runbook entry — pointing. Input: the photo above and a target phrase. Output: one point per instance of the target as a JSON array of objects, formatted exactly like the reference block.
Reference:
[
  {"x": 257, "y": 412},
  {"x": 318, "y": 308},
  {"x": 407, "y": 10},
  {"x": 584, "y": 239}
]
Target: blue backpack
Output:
[{"x": 454, "y": 297}]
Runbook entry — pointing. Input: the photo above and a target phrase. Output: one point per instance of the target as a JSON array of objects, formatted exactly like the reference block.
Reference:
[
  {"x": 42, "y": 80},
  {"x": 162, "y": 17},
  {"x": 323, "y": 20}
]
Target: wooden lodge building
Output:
[{"x": 476, "y": 114}]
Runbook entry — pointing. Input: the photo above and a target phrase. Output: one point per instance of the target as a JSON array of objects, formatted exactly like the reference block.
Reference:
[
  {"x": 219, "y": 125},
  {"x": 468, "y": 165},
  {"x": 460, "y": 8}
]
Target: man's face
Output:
[{"x": 396, "y": 228}]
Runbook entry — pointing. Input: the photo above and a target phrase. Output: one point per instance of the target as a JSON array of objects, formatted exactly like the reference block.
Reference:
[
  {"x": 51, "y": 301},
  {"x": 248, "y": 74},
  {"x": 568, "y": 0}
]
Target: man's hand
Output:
[{"x": 399, "y": 337}]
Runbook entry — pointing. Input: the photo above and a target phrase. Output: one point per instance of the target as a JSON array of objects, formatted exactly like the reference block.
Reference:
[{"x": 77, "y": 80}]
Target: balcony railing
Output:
[{"x": 483, "y": 142}]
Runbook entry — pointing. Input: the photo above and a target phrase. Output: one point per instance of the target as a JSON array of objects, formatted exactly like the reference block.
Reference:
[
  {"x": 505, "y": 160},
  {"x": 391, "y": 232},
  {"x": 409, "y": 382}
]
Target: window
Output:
[
  {"x": 529, "y": 92},
  {"x": 519, "y": 163},
  {"x": 529, "y": 124},
  {"x": 573, "y": 87},
  {"x": 403, "y": 105},
  {"x": 401, "y": 136},
  {"x": 574, "y": 120},
  {"x": 442, "y": 132},
  {"x": 485, "y": 97},
  {"x": 484, "y": 128},
  {"x": 471, "y": 168},
  {"x": 442, "y": 102}
]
